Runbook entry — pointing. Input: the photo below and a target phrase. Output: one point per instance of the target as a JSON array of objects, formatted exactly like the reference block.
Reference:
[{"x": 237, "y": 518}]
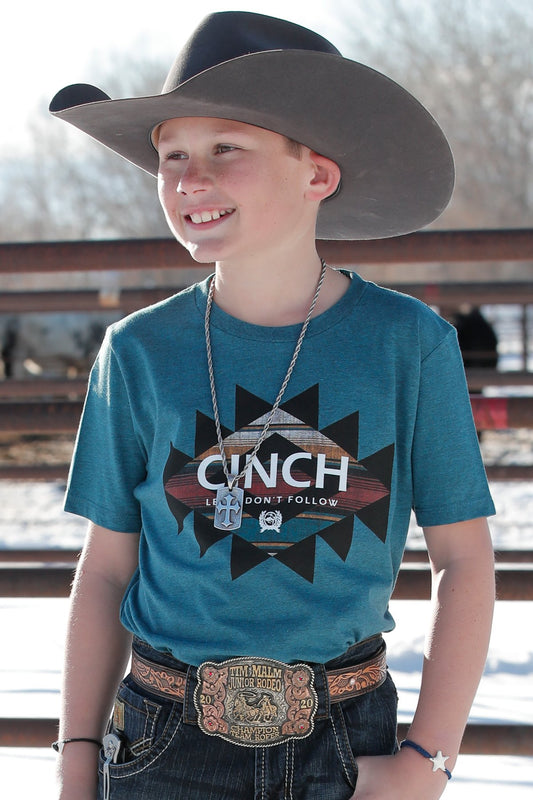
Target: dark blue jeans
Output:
[{"x": 167, "y": 757}]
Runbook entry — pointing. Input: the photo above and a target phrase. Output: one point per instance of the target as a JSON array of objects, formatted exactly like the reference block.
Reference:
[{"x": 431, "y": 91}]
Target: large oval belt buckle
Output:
[{"x": 255, "y": 702}]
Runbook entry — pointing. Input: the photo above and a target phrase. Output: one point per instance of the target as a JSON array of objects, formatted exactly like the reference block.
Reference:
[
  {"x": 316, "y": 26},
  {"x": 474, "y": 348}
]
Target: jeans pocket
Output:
[
  {"x": 368, "y": 724},
  {"x": 145, "y": 726},
  {"x": 137, "y": 720}
]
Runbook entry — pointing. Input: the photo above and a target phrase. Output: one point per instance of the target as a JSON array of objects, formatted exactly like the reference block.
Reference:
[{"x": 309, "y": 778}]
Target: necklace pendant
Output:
[{"x": 229, "y": 506}]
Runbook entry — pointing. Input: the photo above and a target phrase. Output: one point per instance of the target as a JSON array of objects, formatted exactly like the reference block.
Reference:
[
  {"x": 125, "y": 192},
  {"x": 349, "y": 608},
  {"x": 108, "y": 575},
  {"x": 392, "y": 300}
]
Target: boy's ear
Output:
[{"x": 326, "y": 179}]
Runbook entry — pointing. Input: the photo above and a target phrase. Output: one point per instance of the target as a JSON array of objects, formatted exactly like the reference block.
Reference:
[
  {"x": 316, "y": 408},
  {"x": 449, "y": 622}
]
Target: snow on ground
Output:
[{"x": 30, "y": 516}]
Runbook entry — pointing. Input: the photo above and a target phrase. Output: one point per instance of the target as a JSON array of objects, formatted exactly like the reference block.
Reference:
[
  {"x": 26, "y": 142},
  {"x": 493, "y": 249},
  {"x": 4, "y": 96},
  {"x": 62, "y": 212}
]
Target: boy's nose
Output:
[{"x": 194, "y": 178}]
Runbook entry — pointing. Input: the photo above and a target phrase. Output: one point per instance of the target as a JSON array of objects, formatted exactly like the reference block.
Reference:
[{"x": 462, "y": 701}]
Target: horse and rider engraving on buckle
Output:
[{"x": 255, "y": 701}]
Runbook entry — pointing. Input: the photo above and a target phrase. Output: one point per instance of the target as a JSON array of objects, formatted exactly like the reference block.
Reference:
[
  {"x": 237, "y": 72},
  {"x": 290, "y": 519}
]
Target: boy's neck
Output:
[{"x": 276, "y": 294}]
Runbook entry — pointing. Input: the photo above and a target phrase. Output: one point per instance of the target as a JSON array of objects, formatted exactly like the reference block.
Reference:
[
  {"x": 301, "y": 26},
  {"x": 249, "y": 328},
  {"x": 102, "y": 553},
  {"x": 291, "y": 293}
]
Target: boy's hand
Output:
[{"x": 404, "y": 776}]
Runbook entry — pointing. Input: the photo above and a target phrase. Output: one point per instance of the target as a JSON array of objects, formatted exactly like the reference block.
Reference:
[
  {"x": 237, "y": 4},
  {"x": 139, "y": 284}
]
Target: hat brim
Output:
[{"x": 396, "y": 165}]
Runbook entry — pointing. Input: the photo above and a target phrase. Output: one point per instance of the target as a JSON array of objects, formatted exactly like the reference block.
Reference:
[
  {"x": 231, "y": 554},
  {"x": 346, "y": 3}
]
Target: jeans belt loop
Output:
[
  {"x": 190, "y": 715},
  {"x": 321, "y": 685}
]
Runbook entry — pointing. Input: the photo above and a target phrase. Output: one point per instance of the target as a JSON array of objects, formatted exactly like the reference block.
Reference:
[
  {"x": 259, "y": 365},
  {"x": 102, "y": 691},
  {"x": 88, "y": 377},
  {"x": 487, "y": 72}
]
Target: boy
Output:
[{"x": 251, "y": 449}]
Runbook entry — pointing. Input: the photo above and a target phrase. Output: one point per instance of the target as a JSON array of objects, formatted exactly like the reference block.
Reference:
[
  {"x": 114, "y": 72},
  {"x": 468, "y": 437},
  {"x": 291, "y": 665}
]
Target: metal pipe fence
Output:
[{"x": 53, "y": 406}]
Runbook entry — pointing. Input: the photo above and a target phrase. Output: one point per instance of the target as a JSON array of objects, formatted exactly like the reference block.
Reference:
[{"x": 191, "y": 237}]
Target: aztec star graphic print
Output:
[{"x": 304, "y": 483}]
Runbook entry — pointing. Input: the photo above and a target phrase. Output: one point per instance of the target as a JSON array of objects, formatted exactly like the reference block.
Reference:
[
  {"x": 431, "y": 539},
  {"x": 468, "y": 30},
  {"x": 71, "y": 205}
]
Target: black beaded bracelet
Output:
[
  {"x": 60, "y": 744},
  {"x": 438, "y": 760}
]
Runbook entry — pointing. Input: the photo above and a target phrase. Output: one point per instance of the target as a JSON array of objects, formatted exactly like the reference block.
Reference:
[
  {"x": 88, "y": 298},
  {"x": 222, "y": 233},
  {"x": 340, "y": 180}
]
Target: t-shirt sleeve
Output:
[
  {"x": 109, "y": 460},
  {"x": 449, "y": 480}
]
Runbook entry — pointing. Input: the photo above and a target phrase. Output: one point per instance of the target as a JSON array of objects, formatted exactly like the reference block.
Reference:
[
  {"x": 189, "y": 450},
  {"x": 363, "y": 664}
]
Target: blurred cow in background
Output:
[{"x": 477, "y": 338}]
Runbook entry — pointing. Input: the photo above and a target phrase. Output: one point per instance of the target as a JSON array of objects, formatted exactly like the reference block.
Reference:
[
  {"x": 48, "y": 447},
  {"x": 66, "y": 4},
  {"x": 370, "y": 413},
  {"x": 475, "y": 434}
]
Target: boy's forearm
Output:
[
  {"x": 456, "y": 649},
  {"x": 97, "y": 650},
  {"x": 463, "y": 599}
]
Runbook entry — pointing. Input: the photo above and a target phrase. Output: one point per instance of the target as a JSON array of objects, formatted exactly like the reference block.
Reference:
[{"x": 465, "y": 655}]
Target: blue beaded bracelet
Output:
[{"x": 438, "y": 760}]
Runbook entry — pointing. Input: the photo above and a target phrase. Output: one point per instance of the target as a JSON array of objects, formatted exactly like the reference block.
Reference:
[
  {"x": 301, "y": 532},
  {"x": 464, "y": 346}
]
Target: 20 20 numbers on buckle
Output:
[{"x": 255, "y": 702}]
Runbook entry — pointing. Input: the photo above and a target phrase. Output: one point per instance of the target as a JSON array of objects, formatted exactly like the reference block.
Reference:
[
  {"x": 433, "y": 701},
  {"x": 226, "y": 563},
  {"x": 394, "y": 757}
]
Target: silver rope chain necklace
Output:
[{"x": 229, "y": 501}]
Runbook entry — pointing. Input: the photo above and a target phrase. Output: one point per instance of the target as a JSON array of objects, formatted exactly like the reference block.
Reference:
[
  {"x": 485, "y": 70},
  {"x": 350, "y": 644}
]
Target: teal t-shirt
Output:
[{"x": 375, "y": 421}]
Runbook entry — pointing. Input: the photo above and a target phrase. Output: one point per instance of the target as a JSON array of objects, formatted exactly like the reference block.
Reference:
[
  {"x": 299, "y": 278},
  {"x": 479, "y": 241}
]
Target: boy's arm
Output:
[
  {"x": 462, "y": 606},
  {"x": 97, "y": 651}
]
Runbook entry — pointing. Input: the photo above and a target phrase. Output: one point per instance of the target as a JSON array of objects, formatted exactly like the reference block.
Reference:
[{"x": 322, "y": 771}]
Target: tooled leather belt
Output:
[{"x": 258, "y": 701}]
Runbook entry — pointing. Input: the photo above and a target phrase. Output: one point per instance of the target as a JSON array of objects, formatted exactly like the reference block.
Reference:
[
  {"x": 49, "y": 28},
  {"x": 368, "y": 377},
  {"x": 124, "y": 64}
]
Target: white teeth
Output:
[{"x": 208, "y": 216}]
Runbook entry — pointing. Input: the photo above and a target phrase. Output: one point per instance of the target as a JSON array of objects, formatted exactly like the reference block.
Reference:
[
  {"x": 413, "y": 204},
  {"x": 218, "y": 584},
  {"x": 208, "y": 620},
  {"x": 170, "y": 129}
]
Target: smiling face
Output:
[{"x": 231, "y": 190}]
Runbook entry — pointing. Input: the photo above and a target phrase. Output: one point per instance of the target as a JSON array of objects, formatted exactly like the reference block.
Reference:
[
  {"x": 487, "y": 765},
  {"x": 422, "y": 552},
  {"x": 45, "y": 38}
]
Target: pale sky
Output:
[{"x": 48, "y": 44}]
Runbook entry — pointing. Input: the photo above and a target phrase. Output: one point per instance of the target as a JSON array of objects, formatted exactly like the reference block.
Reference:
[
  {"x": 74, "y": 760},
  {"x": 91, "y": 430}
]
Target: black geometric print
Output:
[{"x": 300, "y": 473}]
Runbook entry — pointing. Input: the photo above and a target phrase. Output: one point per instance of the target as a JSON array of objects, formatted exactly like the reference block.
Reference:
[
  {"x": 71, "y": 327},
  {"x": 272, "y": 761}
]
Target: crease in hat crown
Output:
[{"x": 396, "y": 165}]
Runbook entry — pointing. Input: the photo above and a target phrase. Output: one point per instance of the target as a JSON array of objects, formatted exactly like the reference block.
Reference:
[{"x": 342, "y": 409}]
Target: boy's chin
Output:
[{"x": 201, "y": 253}]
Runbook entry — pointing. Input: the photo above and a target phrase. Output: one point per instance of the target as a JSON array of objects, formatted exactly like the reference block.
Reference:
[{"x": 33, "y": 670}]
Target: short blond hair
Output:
[{"x": 294, "y": 147}]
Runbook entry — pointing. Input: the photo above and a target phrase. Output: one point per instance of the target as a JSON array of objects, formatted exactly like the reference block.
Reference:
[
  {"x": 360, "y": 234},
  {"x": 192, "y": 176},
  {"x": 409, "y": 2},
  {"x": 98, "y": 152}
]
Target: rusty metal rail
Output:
[
  {"x": 478, "y": 378},
  {"x": 60, "y": 556},
  {"x": 22, "y": 574},
  {"x": 62, "y": 416},
  {"x": 34, "y": 472},
  {"x": 497, "y": 740},
  {"x": 37, "y": 388},
  {"x": 40, "y": 417},
  {"x": 501, "y": 556},
  {"x": 48, "y": 555},
  {"x": 444, "y": 295},
  {"x": 509, "y": 472},
  {"x": 126, "y": 301},
  {"x": 414, "y": 582},
  {"x": 59, "y": 472},
  {"x": 426, "y": 246},
  {"x": 450, "y": 295}
]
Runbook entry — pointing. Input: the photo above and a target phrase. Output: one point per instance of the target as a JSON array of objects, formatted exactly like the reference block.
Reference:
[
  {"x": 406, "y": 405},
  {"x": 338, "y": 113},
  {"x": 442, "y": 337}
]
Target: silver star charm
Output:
[{"x": 439, "y": 761}]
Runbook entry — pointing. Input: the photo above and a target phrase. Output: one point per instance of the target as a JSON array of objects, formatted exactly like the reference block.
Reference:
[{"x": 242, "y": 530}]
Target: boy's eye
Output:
[{"x": 178, "y": 155}]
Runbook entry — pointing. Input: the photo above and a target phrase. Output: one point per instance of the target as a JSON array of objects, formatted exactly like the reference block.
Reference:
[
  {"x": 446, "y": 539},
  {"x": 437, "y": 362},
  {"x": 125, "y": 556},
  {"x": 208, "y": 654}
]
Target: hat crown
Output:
[{"x": 227, "y": 35}]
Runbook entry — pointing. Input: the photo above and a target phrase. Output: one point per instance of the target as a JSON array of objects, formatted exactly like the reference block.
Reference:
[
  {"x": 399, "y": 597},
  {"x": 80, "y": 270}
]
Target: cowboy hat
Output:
[{"x": 396, "y": 166}]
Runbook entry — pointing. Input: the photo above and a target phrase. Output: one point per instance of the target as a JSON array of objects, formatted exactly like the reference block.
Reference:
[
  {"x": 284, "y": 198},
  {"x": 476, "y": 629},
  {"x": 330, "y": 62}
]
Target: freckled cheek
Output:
[
  {"x": 166, "y": 191},
  {"x": 161, "y": 188}
]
